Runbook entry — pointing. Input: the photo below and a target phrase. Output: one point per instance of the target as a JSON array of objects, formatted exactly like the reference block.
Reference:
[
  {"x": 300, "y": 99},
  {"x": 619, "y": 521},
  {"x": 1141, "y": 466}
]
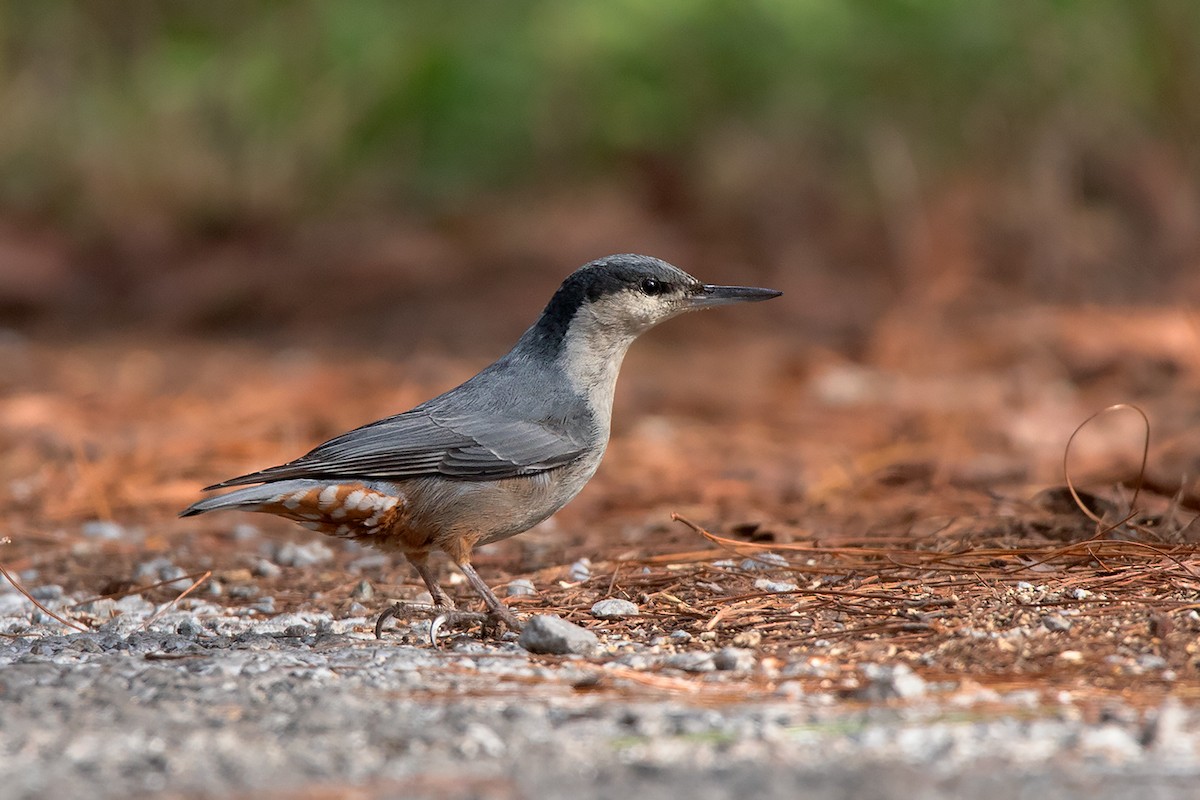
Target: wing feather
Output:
[{"x": 425, "y": 442}]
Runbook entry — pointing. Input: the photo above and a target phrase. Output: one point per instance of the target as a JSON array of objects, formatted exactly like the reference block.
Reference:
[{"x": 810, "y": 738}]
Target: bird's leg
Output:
[
  {"x": 421, "y": 565},
  {"x": 496, "y": 610},
  {"x": 443, "y": 609},
  {"x": 441, "y": 600}
]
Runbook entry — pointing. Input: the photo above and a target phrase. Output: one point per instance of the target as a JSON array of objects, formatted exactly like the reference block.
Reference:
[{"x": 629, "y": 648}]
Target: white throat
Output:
[{"x": 591, "y": 356}]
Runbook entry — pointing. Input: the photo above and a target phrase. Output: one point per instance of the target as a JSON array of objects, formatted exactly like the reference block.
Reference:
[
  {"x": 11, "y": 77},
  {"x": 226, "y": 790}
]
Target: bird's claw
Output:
[
  {"x": 399, "y": 610},
  {"x": 491, "y": 621}
]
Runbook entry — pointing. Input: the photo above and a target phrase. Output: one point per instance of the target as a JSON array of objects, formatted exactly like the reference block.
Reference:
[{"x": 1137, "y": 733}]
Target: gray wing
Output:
[{"x": 428, "y": 441}]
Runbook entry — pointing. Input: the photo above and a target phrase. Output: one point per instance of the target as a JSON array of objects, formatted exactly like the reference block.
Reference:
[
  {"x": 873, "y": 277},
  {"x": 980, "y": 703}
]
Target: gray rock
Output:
[
  {"x": 189, "y": 628},
  {"x": 891, "y": 680},
  {"x": 1167, "y": 729},
  {"x": 692, "y": 661},
  {"x": 265, "y": 569},
  {"x": 768, "y": 585},
  {"x": 581, "y": 570},
  {"x": 291, "y": 554},
  {"x": 680, "y": 636},
  {"x": 100, "y": 608},
  {"x": 160, "y": 569},
  {"x": 363, "y": 590},
  {"x": 244, "y": 532},
  {"x": 51, "y": 591},
  {"x": 1110, "y": 742},
  {"x": 369, "y": 561},
  {"x": 555, "y": 636},
  {"x": 763, "y": 562},
  {"x": 734, "y": 659},
  {"x": 104, "y": 530},
  {"x": 639, "y": 661},
  {"x": 134, "y": 605},
  {"x": 811, "y": 668},
  {"x": 1056, "y": 623},
  {"x": 614, "y": 608},
  {"x": 1151, "y": 661},
  {"x": 14, "y": 605},
  {"x": 265, "y": 605},
  {"x": 520, "y": 587}
]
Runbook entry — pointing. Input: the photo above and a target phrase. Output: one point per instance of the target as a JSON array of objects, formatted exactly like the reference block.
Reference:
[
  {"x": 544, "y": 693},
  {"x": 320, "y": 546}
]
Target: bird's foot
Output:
[
  {"x": 499, "y": 617},
  {"x": 403, "y": 610},
  {"x": 492, "y": 621}
]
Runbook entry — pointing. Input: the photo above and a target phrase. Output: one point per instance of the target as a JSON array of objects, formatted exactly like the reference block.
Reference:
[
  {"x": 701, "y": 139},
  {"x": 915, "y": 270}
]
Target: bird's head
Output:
[{"x": 622, "y": 296}]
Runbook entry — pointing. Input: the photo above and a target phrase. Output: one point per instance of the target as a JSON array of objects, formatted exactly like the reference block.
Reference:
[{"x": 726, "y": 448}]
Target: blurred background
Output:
[{"x": 308, "y": 170}]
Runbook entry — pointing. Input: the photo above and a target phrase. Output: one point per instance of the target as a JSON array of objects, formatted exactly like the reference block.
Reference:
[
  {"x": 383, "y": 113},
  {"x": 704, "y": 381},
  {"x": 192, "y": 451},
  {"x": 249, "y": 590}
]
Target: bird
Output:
[{"x": 496, "y": 455}]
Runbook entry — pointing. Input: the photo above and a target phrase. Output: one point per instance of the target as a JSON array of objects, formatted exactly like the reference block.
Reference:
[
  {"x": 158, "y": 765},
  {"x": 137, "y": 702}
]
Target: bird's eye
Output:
[{"x": 653, "y": 287}]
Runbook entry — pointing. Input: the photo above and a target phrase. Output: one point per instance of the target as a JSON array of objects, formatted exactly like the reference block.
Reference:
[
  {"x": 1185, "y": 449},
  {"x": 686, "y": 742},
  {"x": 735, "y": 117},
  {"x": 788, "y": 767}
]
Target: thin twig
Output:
[
  {"x": 17, "y": 585},
  {"x": 153, "y": 617}
]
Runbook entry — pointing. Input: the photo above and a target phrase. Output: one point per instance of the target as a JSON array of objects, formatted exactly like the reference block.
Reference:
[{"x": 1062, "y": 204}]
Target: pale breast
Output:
[{"x": 494, "y": 510}]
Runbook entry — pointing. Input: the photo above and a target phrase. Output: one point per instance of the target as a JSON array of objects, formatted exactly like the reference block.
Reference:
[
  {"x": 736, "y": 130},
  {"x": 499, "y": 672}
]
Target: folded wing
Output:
[{"x": 428, "y": 441}]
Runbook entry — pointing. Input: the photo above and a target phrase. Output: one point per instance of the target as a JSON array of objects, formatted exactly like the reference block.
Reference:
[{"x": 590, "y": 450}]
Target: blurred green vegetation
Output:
[{"x": 203, "y": 115}]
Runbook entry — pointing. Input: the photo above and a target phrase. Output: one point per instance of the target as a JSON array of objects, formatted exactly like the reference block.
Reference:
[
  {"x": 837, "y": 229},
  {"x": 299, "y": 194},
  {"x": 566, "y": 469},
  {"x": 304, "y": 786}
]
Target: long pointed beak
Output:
[{"x": 710, "y": 296}]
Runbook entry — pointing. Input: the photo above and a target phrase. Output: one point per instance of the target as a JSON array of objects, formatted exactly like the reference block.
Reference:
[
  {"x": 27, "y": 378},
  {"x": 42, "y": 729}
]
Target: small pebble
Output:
[
  {"x": 104, "y": 530},
  {"x": 692, "y": 661},
  {"x": 520, "y": 587},
  {"x": 480, "y": 740},
  {"x": 614, "y": 608},
  {"x": 639, "y": 661},
  {"x": 188, "y": 627},
  {"x": 244, "y": 532},
  {"x": 768, "y": 585},
  {"x": 581, "y": 570},
  {"x": 50, "y": 591},
  {"x": 265, "y": 569},
  {"x": 890, "y": 680},
  {"x": 764, "y": 562},
  {"x": 265, "y": 605},
  {"x": 291, "y": 554},
  {"x": 1168, "y": 727},
  {"x": 734, "y": 659},
  {"x": 157, "y": 570},
  {"x": 1110, "y": 742},
  {"x": 680, "y": 637},
  {"x": 1151, "y": 661},
  {"x": 1056, "y": 622},
  {"x": 1080, "y": 594},
  {"x": 748, "y": 639},
  {"x": 369, "y": 561},
  {"x": 363, "y": 590},
  {"x": 101, "y": 608},
  {"x": 555, "y": 636},
  {"x": 133, "y": 604}
]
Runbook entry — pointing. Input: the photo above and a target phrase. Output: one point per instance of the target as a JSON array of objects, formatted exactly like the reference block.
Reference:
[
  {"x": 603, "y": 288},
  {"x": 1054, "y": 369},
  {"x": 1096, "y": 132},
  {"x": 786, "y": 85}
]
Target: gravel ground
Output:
[{"x": 204, "y": 703}]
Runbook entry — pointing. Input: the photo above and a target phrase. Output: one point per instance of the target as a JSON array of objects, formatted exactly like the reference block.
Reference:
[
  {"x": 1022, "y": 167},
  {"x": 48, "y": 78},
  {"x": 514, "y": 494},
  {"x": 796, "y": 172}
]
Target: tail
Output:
[{"x": 253, "y": 498}]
